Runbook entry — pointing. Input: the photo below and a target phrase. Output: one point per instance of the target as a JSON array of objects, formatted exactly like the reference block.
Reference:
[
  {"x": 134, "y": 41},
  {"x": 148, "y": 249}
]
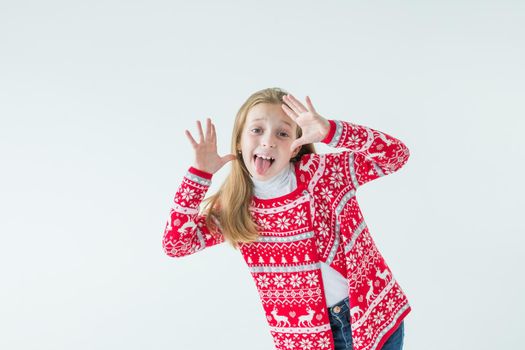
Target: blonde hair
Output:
[{"x": 229, "y": 207}]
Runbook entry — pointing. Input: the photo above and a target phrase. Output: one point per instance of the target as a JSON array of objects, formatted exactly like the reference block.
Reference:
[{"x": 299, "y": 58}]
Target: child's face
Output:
[{"x": 269, "y": 132}]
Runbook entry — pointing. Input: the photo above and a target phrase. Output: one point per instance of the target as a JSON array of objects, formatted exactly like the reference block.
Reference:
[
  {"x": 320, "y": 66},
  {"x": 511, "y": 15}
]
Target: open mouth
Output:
[
  {"x": 262, "y": 163},
  {"x": 264, "y": 158}
]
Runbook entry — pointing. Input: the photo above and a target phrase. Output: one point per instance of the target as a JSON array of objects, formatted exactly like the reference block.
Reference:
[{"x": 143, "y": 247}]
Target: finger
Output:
[
  {"x": 309, "y": 103},
  {"x": 289, "y": 112},
  {"x": 201, "y": 134},
  {"x": 192, "y": 140},
  {"x": 298, "y": 105},
  {"x": 208, "y": 129},
  {"x": 213, "y": 133},
  {"x": 291, "y": 104},
  {"x": 228, "y": 158},
  {"x": 296, "y": 143}
]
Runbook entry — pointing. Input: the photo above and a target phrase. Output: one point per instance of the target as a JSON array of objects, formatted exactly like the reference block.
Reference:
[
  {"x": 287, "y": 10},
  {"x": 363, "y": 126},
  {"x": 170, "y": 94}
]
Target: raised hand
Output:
[
  {"x": 313, "y": 125},
  {"x": 206, "y": 157}
]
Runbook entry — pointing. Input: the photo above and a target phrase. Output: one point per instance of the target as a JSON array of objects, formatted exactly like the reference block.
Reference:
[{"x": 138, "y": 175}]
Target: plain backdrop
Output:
[{"x": 94, "y": 100}]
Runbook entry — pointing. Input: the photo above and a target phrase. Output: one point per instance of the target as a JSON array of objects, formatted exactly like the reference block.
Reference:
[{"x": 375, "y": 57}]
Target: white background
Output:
[{"x": 94, "y": 100}]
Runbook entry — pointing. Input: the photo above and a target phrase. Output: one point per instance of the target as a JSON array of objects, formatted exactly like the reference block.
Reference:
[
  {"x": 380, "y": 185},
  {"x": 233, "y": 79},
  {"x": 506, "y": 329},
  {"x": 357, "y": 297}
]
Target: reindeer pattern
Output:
[{"x": 300, "y": 321}]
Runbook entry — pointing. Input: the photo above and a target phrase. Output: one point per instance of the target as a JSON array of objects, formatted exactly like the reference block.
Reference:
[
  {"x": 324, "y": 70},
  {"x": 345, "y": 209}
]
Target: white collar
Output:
[{"x": 282, "y": 183}]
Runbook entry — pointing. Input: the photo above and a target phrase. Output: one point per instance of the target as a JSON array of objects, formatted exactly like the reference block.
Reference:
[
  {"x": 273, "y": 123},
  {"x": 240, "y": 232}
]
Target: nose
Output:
[{"x": 268, "y": 141}]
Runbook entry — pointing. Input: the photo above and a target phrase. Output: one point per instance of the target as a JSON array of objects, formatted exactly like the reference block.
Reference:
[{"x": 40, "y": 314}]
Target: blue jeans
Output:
[{"x": 339, "y": 315}]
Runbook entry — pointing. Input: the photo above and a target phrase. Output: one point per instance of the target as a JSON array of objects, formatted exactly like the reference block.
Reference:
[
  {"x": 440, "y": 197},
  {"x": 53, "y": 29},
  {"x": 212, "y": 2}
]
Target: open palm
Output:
[
  {"x": 314, "y": 127},
  {"x": 206, "y": 157}
]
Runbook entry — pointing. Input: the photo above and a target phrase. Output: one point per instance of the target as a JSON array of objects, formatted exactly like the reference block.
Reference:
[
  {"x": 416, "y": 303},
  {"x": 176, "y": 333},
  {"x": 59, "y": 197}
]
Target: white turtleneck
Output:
[
  {"x": 279, "y": 185},
  {"x": 335, "y": 284}
]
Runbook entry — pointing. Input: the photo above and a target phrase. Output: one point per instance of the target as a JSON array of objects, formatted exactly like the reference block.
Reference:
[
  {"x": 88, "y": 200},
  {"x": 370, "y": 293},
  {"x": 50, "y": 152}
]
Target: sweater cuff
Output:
[
  {"x": 331, "y": 132},
  {"x": 200, "y": 173}
]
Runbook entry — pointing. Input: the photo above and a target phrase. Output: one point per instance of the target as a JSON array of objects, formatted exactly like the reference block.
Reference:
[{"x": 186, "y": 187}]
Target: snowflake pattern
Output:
[
  {"x": 312, "y": 279},
  {"x": 320, "y": 244},
  {"x": 367, "y": 240},
  {"x": 337, "y": 172},
  {"x": 187, "y": 193},
  {"x": 264, "y": 223},
  {"x": 357, "y": 342},
  {"x": 323, "y": 210},
  {"x": 264, "y": 281},
  {"x": 283, "y": 223},
  {"x": 300, "y": 218},
  {"x": 323, "y": 343},
  {"x": 306, "y": 344},
  {"x": 326, "y": 193},
  {"x": 279, "y": 281},
  {"x": 353, "y": 140},
  {"x": 324, "y": 230},
  {"x": 295, "y": 280},
  {"x": 336, "y": 181},
  {"x": 359, "y": 248},
  {"x": 390, "y": 304},
  {"x": 369, "y": 332},
  {"x": 351, "y": 261},
  {"x": 379, "y": 317},
  {"x": 288, "y": 343}
]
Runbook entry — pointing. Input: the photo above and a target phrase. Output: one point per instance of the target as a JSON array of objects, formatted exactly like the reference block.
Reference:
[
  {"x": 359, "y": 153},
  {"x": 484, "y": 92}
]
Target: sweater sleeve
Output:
[
  {"x": 186, "y": 232},
  {"x": 372, "y": 153}
]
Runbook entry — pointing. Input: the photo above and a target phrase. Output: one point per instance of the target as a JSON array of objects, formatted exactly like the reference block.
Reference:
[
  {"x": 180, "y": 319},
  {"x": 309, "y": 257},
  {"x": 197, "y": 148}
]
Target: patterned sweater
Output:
[{"x": 320, "y": 221}]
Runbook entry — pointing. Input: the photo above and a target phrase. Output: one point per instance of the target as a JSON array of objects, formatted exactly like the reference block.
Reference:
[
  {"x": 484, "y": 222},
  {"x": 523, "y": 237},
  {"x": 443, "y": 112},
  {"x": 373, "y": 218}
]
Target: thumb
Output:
[
  {"x": 227, "y": 158},
  {"x": 297, "y": 143}
]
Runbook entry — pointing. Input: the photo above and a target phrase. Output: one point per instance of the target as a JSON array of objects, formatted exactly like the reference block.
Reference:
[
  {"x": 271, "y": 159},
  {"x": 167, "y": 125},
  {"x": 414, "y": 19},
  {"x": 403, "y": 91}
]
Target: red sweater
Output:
[{"x": 320, "y": 221}]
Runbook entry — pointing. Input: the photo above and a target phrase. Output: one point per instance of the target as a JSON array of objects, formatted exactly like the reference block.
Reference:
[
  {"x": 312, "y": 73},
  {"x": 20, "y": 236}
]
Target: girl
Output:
[{"x": 294, "y": 216}]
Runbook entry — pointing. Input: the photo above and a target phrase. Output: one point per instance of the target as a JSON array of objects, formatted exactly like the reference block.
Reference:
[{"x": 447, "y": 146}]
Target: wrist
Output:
[
  {"x": 326, "y": 128},
  {"x": 200, "y": 172},
  {"x": 329, "y": 131}
]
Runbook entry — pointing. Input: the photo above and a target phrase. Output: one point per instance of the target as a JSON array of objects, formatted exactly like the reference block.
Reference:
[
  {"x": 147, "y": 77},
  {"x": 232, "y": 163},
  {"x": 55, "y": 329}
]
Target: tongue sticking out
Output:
[{"x": 261, "y": 165}]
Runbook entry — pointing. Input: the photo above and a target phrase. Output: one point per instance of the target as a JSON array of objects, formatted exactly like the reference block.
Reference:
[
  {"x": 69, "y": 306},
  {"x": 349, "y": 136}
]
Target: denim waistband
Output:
[{"x": 341, "y": 307}]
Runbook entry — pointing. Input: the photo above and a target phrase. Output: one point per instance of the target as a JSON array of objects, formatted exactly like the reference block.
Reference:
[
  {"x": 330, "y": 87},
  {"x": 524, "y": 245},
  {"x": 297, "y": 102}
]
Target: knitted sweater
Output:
[
  {"x": 320, "y": 221},
  {"x": 335, "y": 285}
]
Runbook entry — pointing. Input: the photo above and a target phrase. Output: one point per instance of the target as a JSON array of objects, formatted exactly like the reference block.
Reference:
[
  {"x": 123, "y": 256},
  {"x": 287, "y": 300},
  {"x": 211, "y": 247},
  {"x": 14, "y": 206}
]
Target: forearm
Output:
[
  {"x": 185, "y": 231},
  {"x": 386, "y": 151}
]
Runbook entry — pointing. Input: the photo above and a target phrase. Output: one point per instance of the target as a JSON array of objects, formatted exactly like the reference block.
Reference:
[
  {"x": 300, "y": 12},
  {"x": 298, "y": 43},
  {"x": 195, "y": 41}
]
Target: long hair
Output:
[{"x": 228, "y": 208}]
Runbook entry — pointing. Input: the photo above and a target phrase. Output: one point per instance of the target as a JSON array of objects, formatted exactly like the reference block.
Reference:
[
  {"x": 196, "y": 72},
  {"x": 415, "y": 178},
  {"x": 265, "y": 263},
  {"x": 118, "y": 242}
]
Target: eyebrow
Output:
[{"x": 262, "y": 118}]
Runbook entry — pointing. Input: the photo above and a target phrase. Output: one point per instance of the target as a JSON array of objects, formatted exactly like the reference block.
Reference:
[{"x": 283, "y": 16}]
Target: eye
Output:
[
  {"x": 256, "y": 130},
  {"x": 283, "y": 134}
]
